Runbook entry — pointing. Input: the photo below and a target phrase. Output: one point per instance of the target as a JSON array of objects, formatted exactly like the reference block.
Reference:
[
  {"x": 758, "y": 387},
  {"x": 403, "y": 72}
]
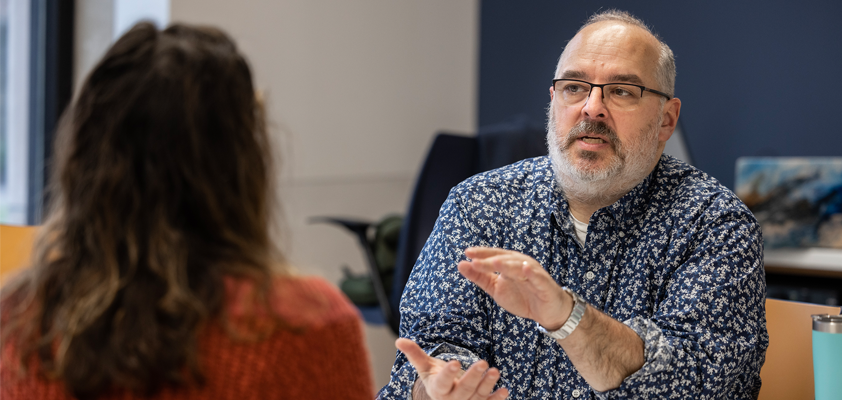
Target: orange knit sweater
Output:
[{"x": 326, "y": 359}]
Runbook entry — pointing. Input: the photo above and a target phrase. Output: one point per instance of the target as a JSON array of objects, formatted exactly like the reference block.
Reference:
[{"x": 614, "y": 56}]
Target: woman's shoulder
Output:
[
  {"x": 297, "y": 297},
  {"x": 299, "y": 300}
]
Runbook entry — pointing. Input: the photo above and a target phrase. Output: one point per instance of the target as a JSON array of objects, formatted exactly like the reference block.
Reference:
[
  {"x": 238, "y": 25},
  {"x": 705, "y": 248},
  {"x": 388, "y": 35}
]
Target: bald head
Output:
[{"x": 621, "y": 33}]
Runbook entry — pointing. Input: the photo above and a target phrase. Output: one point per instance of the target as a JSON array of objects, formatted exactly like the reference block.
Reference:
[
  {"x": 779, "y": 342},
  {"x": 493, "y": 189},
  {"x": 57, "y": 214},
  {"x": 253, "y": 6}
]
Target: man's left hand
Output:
[{"x": 519, "y": 284}]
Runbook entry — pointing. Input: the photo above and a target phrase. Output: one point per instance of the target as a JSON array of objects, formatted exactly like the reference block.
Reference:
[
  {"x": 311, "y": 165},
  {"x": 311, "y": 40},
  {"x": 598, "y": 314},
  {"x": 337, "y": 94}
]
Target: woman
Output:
[{"x": 155, "y": 273}]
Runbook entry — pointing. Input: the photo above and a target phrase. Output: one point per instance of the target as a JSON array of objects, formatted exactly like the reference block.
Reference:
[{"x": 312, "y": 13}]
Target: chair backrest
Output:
[
  {"x": 788, "y": 370},
  {"x": 15, "y": 248},
  {"x": 504, "y": 143},
  {"x": 452, "y": 159}
]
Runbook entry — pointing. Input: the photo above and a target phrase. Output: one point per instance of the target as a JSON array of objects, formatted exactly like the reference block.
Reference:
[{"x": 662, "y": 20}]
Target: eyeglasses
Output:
[{"x": 617, "y": 96}]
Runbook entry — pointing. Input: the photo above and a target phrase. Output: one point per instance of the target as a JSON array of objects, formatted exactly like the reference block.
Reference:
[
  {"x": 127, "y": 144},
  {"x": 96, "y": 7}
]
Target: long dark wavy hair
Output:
[{"x": 163, "y": 185}]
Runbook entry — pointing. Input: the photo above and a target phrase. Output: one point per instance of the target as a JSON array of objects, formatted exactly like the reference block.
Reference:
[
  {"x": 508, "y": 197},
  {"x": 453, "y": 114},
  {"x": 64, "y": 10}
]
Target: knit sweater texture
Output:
[{"x": 323, "y": 357}]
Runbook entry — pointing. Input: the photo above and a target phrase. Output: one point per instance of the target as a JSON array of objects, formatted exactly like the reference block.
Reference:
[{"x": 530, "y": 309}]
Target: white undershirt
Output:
[{"x": 581, "y": 229}]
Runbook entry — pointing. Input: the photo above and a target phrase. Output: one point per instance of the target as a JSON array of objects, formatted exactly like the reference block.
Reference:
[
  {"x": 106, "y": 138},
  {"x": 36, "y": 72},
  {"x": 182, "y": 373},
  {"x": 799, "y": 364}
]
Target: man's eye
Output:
[
  {"x": 621, "y": 91},
  {"x": 573, "y": 88}
]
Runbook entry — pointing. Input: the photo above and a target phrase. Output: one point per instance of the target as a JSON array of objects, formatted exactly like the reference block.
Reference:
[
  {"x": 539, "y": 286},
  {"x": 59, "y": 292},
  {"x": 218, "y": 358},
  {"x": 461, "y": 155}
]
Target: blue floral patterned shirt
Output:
[{"x": 678, "y": 259}]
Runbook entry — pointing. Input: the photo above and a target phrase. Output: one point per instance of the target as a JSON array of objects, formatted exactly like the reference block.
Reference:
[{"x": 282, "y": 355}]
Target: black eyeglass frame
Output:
[{"x": 603, "y": 85}]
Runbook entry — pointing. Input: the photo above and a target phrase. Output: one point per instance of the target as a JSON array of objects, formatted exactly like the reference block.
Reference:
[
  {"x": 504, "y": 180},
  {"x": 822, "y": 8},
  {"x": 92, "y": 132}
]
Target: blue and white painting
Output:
[{"x": 798, "y": 201}]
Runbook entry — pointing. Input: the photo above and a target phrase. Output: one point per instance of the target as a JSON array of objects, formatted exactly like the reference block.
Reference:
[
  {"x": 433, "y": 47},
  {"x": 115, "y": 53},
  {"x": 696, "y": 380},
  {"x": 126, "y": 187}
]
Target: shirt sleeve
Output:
[
  {"x": 443, "y": 312},
  {"x": 710, "y": 325}
]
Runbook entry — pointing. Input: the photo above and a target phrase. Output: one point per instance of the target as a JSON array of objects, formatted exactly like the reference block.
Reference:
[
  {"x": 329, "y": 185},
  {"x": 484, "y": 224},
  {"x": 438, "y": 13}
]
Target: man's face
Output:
[{"x": 592, "y": 143}]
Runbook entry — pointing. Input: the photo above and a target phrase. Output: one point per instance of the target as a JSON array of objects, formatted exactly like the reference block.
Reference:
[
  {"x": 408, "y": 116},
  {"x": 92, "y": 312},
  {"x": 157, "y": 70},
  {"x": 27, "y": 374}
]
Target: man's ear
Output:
[
  {"x": 672, "y": 108},
  {"x": 552, "y": 92}
]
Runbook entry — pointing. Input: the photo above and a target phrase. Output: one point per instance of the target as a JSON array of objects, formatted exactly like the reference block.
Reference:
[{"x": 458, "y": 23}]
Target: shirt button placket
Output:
[
  {"x": 590, "y": 275},
  {"x": 576, "y": 393}
]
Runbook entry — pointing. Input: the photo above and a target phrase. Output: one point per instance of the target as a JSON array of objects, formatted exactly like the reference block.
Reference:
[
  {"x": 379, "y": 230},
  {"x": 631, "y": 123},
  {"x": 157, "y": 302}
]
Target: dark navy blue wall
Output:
[{"x": 756, "y": 78}]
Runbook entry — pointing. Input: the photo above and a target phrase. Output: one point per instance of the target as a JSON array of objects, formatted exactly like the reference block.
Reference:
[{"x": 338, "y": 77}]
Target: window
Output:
[
  {"x": 14, "y": 110},
  {"x": 36, "y": 78},
  {"x": 36, "y": 52}
]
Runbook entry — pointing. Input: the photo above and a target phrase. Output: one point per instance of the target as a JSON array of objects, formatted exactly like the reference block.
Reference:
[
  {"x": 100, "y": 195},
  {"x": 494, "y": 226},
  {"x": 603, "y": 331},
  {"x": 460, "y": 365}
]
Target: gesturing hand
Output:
[
  {"x": 446, "y": 381},
  {"x": 518, "y": 284}
]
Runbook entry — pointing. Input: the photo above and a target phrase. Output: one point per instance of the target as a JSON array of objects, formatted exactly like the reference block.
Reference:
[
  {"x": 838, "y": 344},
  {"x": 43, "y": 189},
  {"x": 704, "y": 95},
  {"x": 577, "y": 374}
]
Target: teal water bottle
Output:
[{"x": 827, "y": 356}]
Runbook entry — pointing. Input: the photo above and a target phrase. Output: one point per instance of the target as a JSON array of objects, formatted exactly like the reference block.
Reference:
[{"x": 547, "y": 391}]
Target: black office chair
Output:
[{"x": 450, "y": 160}]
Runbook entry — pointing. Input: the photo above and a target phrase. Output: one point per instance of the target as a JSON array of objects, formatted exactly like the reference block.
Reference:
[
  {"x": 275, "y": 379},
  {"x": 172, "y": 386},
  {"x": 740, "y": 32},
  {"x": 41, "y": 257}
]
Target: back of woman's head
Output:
[
  {"x": 167, "y": 133},
  {"x": 162, "y": 185}
]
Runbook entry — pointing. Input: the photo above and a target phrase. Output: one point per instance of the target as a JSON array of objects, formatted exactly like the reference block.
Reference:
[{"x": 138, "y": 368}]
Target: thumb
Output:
[{"x": 416, "y": 355}]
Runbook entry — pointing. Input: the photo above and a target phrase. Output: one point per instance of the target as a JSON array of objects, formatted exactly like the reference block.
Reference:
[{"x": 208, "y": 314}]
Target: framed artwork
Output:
[{"x": 797, "y": 201}]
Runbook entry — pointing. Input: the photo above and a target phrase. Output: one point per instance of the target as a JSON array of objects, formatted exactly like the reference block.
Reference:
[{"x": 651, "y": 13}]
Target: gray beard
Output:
[{"x": 629, "y": 165}]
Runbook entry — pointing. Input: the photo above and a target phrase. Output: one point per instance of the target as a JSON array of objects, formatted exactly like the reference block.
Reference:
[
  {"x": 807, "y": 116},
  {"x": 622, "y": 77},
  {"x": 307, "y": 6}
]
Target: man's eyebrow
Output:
[
  {"x": 630, "y": 78},
  {"x": 573, "y": 75}
]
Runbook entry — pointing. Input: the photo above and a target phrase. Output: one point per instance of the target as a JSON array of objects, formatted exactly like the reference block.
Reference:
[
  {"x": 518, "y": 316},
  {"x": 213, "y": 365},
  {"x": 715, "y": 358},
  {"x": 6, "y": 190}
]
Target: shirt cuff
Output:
[
  {"x": 447, "y": 352},
  {"x": 657, "y": 350},
  {"x": 657, "y": 353}
]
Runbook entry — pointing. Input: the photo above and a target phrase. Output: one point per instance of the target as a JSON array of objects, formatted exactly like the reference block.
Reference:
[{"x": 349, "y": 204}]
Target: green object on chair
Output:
[{"x": 384, "y": 245}]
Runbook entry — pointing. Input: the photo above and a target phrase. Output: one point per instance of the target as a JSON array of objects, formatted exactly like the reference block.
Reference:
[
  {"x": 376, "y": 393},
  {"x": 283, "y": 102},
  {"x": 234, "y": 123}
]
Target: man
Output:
[{"x": 605, "y": 270}]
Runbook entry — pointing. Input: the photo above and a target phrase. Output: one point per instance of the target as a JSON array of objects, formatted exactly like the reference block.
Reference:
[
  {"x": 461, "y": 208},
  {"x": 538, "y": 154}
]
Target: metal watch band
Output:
[{"x": 572, "y": 322}]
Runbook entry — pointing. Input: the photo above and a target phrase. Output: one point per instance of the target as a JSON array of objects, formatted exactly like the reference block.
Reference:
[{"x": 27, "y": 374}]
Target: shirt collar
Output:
[
  {"x": 561, "y": 213},
  {"x": 632, "y": 204}
]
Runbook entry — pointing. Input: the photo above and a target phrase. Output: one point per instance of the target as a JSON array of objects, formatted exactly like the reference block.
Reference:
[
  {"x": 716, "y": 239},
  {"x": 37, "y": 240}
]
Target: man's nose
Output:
[{"x": 595, "y": 104}]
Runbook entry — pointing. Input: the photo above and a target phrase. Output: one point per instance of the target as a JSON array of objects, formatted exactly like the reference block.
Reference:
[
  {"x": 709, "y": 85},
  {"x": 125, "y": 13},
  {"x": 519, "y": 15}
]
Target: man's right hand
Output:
[{"x": 441, "y": 380}]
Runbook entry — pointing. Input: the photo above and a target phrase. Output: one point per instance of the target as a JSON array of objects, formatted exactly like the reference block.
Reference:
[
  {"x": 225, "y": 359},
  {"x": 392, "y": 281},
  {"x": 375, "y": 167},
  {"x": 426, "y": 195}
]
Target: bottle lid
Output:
[{"x": 827, "y": 323}]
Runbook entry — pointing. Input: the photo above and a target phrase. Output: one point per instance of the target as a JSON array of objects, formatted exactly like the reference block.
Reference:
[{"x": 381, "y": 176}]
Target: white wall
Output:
[
  {"x": 93, "y": 32},
  {"x": 356, "y": 90}
]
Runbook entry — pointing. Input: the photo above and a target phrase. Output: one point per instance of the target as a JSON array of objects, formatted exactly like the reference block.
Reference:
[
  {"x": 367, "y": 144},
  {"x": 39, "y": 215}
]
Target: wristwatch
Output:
[{"x": 579, "y": 305}]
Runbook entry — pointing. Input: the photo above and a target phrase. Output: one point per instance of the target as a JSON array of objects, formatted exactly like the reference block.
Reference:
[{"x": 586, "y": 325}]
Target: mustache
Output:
[{"x": 594, "y": 127}]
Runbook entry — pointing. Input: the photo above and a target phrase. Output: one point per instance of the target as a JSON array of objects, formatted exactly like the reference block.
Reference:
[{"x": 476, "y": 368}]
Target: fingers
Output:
[
  {"x": 468, "y": 385},
  {"x": 511, "y": 264},
  {"x": 422, "y": 362},
  {"x": 486, "y": 384},
  {"x": 482, "y": 279},
  {"x": 447, "y": 380},
  {"x": 477, "y": 383},
  {"x": 486, "y": 252},
  {"x": 444, "y": 382},
  {"x": 439, "y": 377}
]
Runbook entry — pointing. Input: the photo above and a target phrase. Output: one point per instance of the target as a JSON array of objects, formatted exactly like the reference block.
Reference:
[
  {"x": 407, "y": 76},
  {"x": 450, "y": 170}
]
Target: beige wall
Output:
[
  {"x": 92, "y": 35},
  {"x": 356, "y": 90},
  {"x": 360, "y": 85}
]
